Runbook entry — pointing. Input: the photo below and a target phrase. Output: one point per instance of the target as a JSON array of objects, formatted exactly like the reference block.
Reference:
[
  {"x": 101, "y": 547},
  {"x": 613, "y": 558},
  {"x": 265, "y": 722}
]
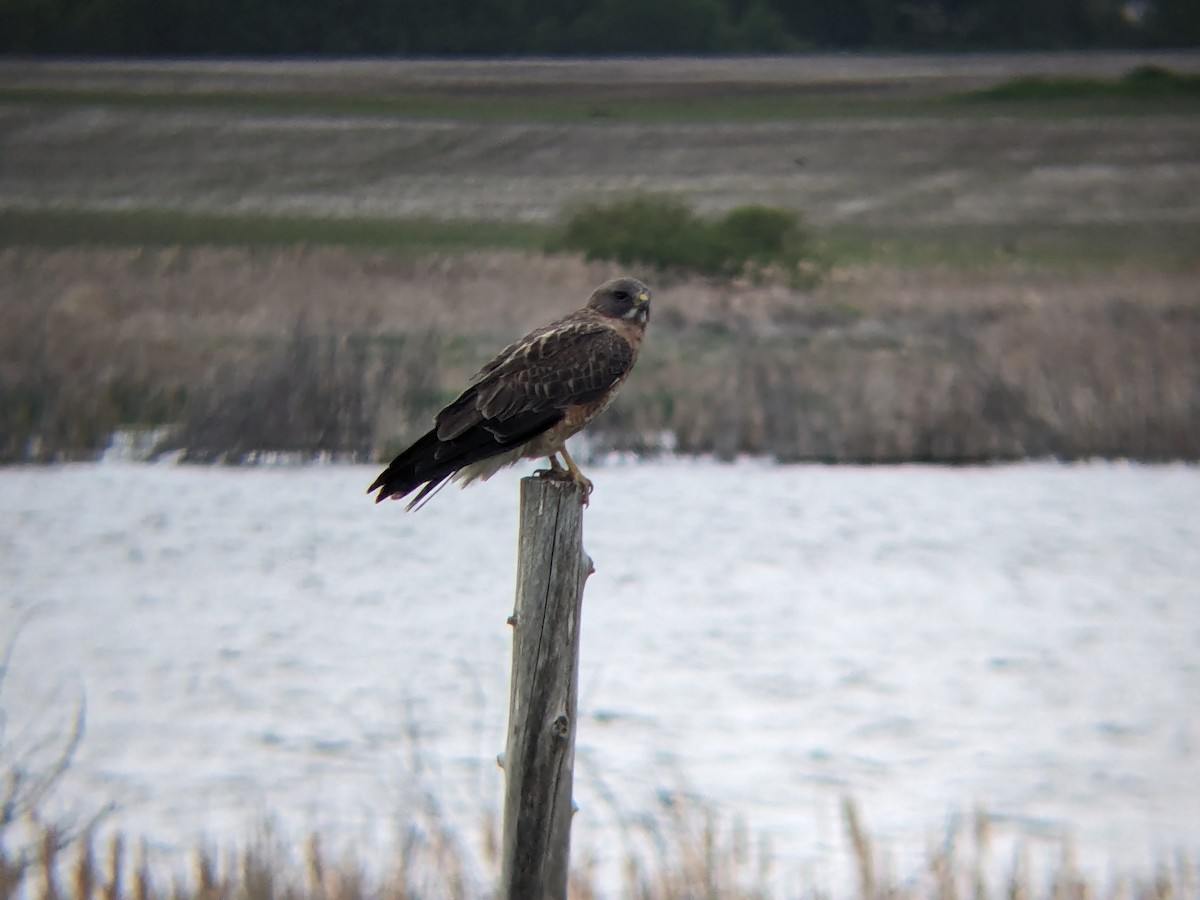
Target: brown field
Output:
[
  {"x": 308, "y": 149},
  {"x": 864, "y": 172}
]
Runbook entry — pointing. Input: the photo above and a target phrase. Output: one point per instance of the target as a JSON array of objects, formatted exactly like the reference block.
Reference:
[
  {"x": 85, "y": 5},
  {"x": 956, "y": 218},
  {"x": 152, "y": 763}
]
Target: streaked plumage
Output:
[{"x": 527, "y": 401}]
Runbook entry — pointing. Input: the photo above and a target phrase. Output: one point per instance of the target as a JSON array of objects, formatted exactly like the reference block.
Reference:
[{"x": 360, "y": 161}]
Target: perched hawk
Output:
[{"x": 527, "y": 401}]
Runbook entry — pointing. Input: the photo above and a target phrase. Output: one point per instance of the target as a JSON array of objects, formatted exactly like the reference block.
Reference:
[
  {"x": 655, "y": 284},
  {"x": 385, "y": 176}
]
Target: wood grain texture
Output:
[{"x": 540, "y": 753}]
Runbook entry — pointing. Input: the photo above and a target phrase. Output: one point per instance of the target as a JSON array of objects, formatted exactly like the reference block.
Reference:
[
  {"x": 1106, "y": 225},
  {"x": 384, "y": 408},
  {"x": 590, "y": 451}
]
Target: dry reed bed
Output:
[
  {"x": 687, "y": 853},
  {"x": 351, "y": 351}
]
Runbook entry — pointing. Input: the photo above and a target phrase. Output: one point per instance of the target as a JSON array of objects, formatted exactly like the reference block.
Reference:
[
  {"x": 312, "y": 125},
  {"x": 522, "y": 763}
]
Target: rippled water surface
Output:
[{"x": 928, "y": 641}]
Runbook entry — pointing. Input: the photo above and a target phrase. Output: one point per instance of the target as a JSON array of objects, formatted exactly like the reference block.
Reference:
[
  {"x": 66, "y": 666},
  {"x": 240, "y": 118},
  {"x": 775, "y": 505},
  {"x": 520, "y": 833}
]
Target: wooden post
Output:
[{"x": 540, "y": 754}]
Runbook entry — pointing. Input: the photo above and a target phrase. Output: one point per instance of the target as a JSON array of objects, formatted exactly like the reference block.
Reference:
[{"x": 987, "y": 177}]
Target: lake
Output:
[{"x": 267, "y": 643}]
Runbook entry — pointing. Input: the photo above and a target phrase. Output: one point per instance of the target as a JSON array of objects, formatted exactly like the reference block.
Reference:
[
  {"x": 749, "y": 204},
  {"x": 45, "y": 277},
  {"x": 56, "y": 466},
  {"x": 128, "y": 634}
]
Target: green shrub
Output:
[
  {"x": 1142, "y": 82},
  {"x": 662, "y": 232},
  {"x": 1151, "y": 80},
  {"x": 758, "y": 236},
  {"x": 646, "y": 229}
]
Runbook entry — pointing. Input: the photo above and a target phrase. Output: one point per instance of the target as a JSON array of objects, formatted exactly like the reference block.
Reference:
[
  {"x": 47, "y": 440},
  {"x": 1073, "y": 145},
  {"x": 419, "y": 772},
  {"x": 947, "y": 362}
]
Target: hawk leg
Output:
[
  {"x": 555, "y": 470},
  {"x": 570, "y": 473},
  {"x": 577, "y": 476}
]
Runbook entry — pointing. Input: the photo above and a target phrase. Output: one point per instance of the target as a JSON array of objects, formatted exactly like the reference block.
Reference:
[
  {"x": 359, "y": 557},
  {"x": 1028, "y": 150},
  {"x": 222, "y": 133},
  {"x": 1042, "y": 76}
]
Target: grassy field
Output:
[
  {"x": 172, "y": 228},
  {"x": 985, "y": 230}
]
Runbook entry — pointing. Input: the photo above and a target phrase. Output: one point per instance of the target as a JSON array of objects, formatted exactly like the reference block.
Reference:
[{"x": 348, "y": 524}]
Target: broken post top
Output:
[{"x": 547, "y": 484}]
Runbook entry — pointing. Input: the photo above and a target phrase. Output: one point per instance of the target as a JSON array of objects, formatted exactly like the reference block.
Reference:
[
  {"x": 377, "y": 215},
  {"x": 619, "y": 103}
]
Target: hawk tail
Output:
[
  {"x": 421, "y": 464},
  {"x": 430, "y": 461}
]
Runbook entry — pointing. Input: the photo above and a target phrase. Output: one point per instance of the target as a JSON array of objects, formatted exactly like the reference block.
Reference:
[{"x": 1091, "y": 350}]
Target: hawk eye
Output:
[{"x": 621, "y": 295}]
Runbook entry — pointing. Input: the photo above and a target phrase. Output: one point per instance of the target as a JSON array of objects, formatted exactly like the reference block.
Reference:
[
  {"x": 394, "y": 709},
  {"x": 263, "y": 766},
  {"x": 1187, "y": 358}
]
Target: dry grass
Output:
[
  {"x": 878, "y": 363},
  {"x": 888, "y": 366},
  {"x": 694, "y": 854}
]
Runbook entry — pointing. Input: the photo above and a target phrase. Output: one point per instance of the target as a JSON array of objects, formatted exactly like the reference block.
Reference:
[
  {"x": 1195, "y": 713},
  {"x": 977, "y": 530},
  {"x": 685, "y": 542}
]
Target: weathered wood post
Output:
[{"x": 539, "y": 756}]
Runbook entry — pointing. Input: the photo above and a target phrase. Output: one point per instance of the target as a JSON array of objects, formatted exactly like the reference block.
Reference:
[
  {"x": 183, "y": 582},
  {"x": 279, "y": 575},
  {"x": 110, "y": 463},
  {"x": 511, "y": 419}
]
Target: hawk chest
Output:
[
  {"x": 575, "y": 418},
  {"x": 578, "y": 415}
]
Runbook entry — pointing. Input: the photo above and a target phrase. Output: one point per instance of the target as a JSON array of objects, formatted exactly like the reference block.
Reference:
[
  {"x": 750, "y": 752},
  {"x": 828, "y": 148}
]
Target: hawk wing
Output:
[
  {"x": 530, "y": 387},
  {"x": 570, "y": 363}
]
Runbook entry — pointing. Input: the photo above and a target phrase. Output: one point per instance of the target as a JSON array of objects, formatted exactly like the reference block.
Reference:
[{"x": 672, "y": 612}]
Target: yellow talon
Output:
[
  {"x": 571, "y": 473},
  {"x": 577, "y": 476}
]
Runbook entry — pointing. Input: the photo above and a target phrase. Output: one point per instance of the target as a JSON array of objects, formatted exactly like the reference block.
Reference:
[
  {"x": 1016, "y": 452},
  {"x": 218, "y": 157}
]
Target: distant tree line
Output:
[{"x": 583, "y": 27}]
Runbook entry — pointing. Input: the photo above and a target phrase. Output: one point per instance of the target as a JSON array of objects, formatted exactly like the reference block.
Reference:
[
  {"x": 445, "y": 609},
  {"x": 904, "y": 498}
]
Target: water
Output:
[{"x": 928, "y": 641}]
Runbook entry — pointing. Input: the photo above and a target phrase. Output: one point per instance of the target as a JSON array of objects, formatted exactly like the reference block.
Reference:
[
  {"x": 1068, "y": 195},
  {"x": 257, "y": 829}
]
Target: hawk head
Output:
[{"x": 622, "y": 298}]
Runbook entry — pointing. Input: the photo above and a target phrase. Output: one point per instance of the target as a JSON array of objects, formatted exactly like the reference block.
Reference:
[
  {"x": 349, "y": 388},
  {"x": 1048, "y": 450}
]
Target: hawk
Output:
[{"x": 527, "y": 401}]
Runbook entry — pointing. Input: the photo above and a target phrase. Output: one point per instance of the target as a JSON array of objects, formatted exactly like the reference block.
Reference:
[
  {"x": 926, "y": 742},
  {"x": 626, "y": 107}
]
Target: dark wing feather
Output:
[
  {"x": 520, "y": 394},
  {"x": 566, "y": 363},
  {"x": 430, "y": 460},
  {"x": 576, "y": 362}
]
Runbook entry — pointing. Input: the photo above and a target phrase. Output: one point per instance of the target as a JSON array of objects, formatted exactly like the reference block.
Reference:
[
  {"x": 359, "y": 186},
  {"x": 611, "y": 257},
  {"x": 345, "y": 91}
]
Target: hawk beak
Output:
[
  {"x": 642, "y": 308},
  {"x": 640, "y": 311}
]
